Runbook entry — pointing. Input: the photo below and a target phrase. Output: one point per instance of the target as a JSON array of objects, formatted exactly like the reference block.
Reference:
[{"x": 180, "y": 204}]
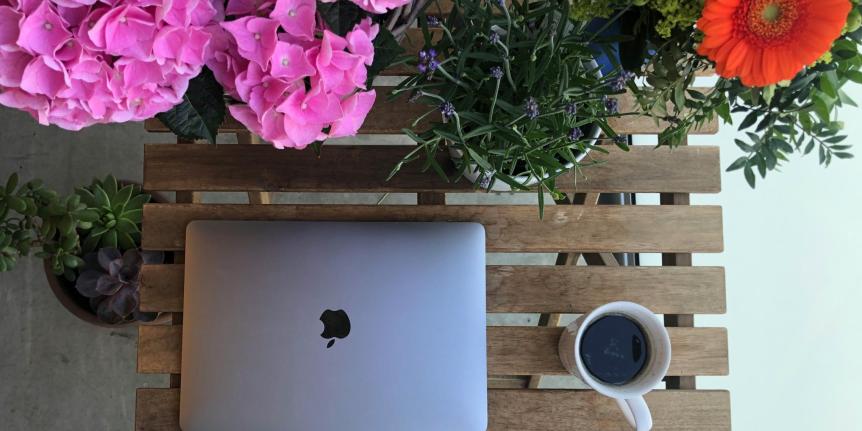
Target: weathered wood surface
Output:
[
  {"x": 644, "y": 169},
  {"x": 524, "y": 410},
  {"x": 517, "y": 228},
  {"x": 536, "y": 288}
]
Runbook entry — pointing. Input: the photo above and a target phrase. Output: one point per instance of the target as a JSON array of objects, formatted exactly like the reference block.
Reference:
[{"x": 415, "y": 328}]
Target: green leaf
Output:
[
  {"x": 102, "y": 199},
  {"x": 109, "y": 239},
  {"x": 127, "y": 226},
  {"x": 122, "y": 198},
  {"x": 743, "y": 146},
  {"x": 201, "y": 112},
  {"x": 12, "y": 183},
  {"x": 110, "y": 186},
  {"x": 738, "y": 164},
  {"x": 137, "y": 202},
  {"x": 749, "y": 176},
  {"x": 749, "y": 121},
  {"x": 87, "y": 215},
  {"x": 341, "y": 16},
  {"x": 809, "y": 147},
  {"x": 481, "y": 161},
  {"x": 125, "y": 241},
  {"x": 386, "y": 51},
  {"x": 854, "y": 75}
]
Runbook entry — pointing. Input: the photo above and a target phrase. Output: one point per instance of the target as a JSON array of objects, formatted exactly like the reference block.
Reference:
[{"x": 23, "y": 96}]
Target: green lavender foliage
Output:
[{"x": 516, "y": 123}]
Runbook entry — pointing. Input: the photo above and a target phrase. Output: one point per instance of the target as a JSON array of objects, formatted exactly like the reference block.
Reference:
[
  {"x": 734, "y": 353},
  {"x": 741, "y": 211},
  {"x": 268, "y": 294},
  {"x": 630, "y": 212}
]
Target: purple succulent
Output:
[{"x": 111, "y": 280}]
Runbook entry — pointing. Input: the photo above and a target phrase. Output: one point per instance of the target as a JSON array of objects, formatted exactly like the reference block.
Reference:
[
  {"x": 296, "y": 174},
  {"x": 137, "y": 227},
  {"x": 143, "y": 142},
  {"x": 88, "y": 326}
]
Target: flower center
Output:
[
  {"x": 304, "y": 106},
  {"x": 123, "y": 19},
  {"x": 768, "y": 21},
  {"x": 257, "y": 36},
  {"x": 285, "y": 62},
  {"x": 48, "y": 26},
  {"x": 292, "y": 12},
  {"x": 771, "y": 13}
]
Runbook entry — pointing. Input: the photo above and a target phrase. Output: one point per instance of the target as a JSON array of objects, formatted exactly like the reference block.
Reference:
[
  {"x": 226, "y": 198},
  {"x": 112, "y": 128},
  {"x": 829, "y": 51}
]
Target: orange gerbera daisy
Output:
[{"x": 766, "y": 41}]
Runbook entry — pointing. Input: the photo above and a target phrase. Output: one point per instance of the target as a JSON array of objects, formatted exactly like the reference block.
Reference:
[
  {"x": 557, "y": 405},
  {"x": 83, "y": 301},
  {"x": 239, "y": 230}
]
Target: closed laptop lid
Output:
[{"x": 334, "y": 326}]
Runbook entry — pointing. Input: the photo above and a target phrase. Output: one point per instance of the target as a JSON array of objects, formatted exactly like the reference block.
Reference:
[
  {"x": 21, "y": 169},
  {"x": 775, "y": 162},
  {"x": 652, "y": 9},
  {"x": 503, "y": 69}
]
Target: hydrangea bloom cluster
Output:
[
  {"x": 297, "y": 81},
  {"x": 75, "y": 63}
]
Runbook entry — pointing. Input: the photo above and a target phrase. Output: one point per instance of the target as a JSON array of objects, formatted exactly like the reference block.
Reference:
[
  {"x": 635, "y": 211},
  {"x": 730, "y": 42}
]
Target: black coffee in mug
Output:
[{"x": 614, "y": 349}]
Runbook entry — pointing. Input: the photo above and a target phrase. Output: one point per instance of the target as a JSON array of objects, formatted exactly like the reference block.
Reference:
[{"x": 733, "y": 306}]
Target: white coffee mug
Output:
[{"x": 629, "y": 396}]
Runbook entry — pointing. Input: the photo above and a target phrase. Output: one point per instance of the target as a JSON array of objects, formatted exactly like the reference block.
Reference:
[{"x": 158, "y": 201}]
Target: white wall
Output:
[{"x": 793, "y": 257}]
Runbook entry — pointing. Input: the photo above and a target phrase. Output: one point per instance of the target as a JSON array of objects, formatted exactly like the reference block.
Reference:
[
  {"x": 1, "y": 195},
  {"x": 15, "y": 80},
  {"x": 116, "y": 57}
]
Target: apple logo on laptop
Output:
[{"x": 336, "y": 324}]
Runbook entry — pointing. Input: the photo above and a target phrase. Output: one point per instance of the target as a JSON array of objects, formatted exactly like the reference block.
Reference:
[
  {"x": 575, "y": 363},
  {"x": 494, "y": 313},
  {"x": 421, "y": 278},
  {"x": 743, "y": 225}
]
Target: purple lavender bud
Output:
[
  {"x": 619, "y": 83},
  {"x": 433, "y": 65},
  {"x": 494, "y": 37},
  {"x": 422, "y": 68},
  {"x": 501, "y": 3},
  {"x": 433, "y": 21},
  {"x": 432, "y": 53},
  {"x": 447, "y": 109},
  {"x": 572, "y": 109},
  {"x": 575, "y": 134},
  {"x": 423, "y": 56},
  {"x": 497, "y": 72},
  {"x": 531, "y": 108},
  {"x": 611, "y": 104}
]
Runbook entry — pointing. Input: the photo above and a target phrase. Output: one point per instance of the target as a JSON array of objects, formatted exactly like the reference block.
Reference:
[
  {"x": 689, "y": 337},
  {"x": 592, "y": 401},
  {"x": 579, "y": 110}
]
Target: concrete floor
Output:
[{"x": 58, "y": 373}]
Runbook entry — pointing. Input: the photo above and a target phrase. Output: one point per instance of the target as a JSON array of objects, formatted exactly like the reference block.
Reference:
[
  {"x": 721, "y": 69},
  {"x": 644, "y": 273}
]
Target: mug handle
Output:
[{"x": 636, "y": 412}]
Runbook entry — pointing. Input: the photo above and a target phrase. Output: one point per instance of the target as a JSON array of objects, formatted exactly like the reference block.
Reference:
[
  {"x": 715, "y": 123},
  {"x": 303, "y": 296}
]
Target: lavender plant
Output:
[{"x": 515, "y": 89}]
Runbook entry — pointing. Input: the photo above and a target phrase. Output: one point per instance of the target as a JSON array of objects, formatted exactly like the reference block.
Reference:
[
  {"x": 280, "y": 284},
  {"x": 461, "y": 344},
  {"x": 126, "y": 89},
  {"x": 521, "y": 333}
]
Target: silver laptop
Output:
[{"x": 317, "y": 326}]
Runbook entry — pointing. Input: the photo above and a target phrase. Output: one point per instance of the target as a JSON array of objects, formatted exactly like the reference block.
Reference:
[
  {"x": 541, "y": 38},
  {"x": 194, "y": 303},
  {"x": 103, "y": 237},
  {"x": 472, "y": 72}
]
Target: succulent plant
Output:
[
  {"x": 33, "y": 217},
  {"x": 111, "y": 279},
  {"x": 119, "y": 210}
]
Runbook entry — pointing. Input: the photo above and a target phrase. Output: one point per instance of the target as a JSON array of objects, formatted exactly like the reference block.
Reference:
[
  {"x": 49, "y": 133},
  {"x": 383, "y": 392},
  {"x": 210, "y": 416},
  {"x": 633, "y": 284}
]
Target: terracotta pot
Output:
[{"x": 79, "y": 305}]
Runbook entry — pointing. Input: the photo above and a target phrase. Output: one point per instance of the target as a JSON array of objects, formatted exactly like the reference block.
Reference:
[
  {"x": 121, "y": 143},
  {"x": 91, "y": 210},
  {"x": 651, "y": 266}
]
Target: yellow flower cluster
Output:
[{"x": 675, "y": 13}]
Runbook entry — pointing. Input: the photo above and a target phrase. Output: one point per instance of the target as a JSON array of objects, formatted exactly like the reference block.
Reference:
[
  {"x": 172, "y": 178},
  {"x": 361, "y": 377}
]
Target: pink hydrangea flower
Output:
[
  {"x": 296, "y": 17},
  {"x": 74, "y": 63},
  {"x": 255, "y": 38},
  {"x": 301, "y": 88},
  {"x": 376, "y": 6}
]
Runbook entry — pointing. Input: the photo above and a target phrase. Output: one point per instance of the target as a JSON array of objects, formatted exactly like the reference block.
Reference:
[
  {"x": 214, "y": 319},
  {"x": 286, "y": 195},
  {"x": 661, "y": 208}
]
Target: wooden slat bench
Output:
[{"x": 574, "y": 228}]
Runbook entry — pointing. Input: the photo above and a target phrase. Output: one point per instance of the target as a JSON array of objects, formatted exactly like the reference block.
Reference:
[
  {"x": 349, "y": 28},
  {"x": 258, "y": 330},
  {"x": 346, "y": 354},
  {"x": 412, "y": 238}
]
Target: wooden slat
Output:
[
  {"x": 644, "y": 169},
  {"x": 389, "y": 117},
  {"x": 524, "y": 410},
  {"x": 573, "y": 289},
  {"x": 643, "y": 229},
  {"x": 512, "y": 350},
  {"x": 535, "y": 289}
]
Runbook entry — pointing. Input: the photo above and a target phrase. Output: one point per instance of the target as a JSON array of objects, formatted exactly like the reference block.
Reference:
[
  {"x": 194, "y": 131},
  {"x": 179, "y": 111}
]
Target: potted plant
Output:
[
  {"x": 781, "y": 67},
  {"x": 79, "y": 237},
  {"x": 521, "y": 97}
]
